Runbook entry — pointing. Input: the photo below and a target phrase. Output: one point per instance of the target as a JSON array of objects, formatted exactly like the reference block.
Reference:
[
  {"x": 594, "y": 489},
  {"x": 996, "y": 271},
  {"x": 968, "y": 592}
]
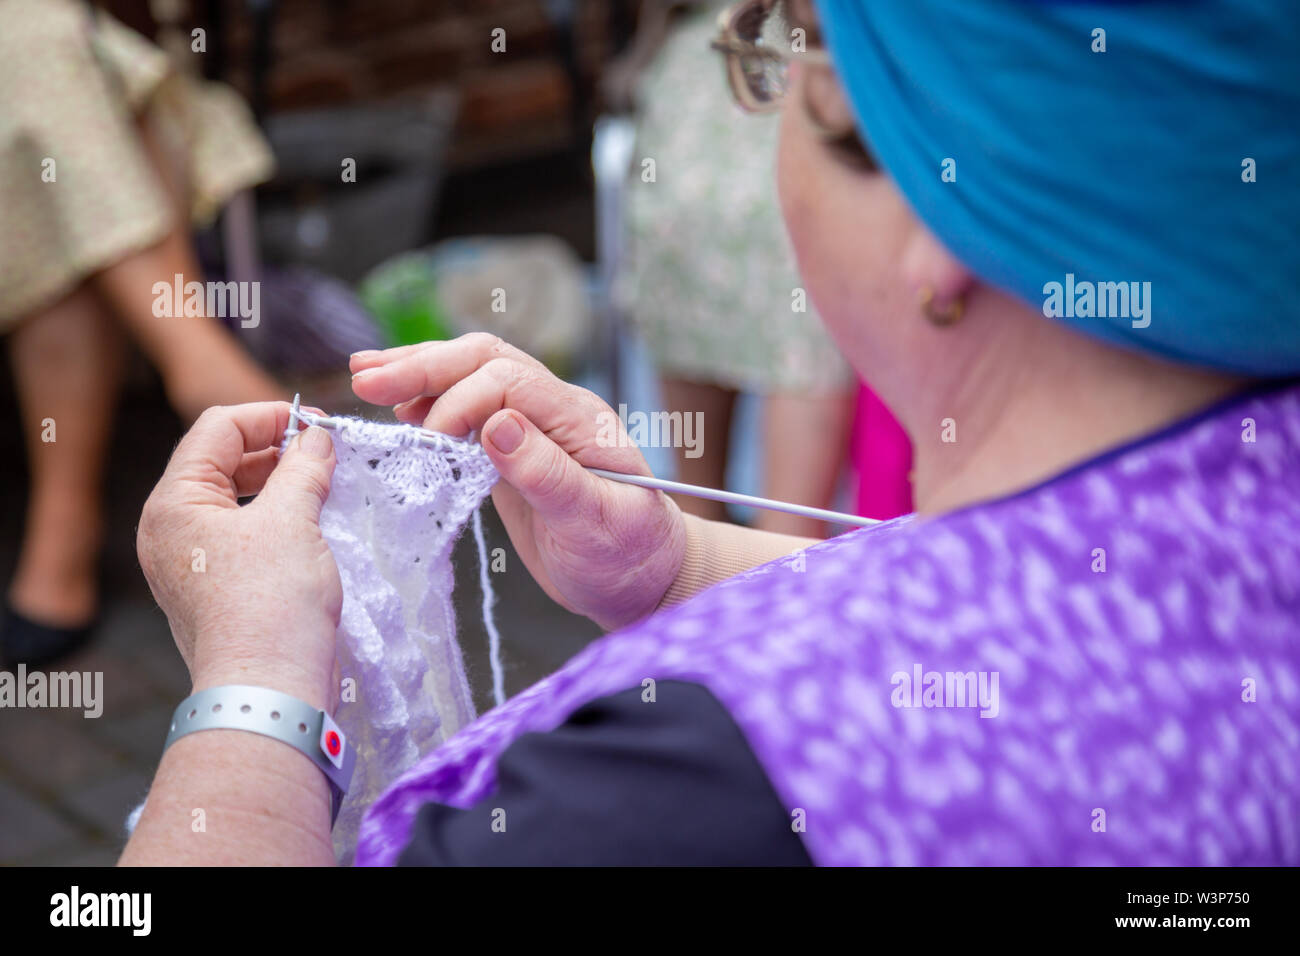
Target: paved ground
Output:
[{"x": 67, "y": 782}]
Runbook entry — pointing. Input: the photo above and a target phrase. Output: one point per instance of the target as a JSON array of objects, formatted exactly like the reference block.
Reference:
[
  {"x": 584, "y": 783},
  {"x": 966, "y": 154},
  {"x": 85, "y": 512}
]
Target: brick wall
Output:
[{"x": 520, "y": 102}]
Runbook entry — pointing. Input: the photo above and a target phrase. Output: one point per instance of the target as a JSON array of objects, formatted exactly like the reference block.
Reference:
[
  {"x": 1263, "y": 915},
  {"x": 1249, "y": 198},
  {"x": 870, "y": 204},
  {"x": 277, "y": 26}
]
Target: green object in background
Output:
[{"x": 402, "y": 295}]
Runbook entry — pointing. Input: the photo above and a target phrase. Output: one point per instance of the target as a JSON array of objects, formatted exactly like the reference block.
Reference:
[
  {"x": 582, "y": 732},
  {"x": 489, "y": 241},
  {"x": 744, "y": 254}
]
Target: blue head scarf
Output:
[{"x": 1073, "y": 167}]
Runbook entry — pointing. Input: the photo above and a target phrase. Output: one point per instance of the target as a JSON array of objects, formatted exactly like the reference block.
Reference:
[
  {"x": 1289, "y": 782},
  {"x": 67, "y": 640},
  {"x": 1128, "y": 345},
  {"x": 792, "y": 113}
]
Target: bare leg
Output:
[
  {"x": 200, "y": 362},
  {"x": 67, "y": 370},
  {"x": 805, "y": 438},
  {"x": 710, "y": 467}
]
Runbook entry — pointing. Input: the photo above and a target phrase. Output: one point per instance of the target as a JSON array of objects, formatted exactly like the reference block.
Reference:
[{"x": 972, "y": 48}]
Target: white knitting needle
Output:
[
  {"x": 662, "y": 484},
  {"x": 733, "y": 497}
]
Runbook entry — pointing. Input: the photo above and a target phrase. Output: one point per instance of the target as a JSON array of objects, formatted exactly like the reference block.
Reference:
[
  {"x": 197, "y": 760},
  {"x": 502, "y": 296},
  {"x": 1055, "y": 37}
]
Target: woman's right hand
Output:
[{"x": 601, "y": 548}]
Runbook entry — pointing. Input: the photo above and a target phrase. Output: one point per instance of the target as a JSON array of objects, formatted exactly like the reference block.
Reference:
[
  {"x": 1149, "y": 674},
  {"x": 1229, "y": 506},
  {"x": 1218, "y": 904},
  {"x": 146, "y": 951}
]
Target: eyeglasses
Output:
[{"x": 759, "y": 46}]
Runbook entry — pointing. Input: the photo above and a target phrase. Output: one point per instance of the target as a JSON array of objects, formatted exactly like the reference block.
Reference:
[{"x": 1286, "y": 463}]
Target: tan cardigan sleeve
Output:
[{"x": 716, "y": 550}]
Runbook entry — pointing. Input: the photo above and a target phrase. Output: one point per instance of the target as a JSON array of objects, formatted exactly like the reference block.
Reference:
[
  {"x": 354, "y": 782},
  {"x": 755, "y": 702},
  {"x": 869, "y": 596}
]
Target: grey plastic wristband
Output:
[{"x": 272, "y": 714}]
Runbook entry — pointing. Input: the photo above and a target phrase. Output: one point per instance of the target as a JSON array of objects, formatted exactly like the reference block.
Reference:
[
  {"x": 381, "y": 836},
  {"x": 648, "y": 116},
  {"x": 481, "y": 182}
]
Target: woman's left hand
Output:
[{"x": 252, "y": 593}]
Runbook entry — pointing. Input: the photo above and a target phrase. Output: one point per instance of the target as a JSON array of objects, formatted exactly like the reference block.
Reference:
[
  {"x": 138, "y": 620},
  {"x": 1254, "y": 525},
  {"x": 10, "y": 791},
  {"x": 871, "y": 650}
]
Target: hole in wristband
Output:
[
  {"x": 245, "y": 709},
  {"x": 302, "y": 728},
  {"x": 193, "y": 714},
  {"x": 216, "y": 708},
  {"x": 275, "y": 715}
]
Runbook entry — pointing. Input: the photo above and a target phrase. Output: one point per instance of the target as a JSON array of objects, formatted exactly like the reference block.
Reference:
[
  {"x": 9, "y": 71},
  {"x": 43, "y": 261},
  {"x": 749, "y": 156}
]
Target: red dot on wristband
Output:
[{"x": 332, "y": 743}]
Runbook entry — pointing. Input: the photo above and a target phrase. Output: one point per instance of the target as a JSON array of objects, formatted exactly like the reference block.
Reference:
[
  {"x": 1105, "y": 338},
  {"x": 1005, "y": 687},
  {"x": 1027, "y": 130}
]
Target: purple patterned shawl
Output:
[{"x": 1140, "y": 612}]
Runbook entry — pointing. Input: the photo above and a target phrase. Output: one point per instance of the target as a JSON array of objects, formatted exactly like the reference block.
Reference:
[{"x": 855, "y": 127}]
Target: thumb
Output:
[
  {"x": 300, "y": 482},
  {"x": 541, "y": 471}
]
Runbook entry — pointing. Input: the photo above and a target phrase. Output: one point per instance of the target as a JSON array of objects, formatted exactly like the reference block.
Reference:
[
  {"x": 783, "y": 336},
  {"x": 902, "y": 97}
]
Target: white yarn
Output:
[
  {"x": 489, "y": 622},
  {"x": 133, "y": 818},
  {"x": 398, "y": 500}
]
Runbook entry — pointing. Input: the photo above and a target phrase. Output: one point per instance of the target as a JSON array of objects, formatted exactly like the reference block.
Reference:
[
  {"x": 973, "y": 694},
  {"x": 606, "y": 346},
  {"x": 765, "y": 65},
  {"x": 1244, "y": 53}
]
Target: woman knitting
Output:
[{"x": 1081, "y": 649}]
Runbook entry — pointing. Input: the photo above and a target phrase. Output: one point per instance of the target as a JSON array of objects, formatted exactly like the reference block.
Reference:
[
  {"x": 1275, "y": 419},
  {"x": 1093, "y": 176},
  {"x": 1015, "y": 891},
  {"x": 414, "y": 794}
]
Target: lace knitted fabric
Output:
[{"x": 398, "y": 500}]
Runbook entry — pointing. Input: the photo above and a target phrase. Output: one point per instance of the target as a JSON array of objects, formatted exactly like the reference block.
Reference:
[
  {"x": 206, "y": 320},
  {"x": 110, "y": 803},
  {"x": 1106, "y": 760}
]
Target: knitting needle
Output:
[
  {"x": 643, "y": 481},
  {"x": 733, "y": 497}
]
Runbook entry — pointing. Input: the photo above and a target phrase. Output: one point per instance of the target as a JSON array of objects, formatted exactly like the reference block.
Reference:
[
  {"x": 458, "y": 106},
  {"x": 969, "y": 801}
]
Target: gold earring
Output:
[{"x": 941, "y": 316}]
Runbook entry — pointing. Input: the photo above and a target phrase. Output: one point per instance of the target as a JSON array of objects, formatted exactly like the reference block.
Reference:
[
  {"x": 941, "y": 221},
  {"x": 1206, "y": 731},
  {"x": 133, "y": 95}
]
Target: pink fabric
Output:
[{"x": 882, "y": 456}]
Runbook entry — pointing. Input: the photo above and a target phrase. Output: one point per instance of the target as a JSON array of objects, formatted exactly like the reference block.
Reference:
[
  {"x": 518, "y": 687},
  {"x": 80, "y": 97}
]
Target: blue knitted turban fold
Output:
[{"x": 1118, "y": 166}]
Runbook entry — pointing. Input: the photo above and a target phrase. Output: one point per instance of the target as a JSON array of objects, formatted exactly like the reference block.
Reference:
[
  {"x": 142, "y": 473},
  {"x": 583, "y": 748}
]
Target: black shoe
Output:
[{"x": 24, "y": 641}]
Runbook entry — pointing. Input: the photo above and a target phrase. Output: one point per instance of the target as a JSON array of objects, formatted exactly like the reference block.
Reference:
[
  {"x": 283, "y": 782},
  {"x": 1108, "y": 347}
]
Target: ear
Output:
[
  {"x": 926, "y": 263},
  {"x": 825, "y": 101}
]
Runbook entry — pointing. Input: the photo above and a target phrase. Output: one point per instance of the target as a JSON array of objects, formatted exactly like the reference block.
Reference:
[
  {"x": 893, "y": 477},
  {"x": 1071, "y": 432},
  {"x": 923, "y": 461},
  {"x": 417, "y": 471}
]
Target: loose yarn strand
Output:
[{"x": 489, "y": 621}]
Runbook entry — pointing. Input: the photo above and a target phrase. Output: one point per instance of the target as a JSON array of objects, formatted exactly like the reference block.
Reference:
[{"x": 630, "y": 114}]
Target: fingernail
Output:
[
  {"x": 364, "y": 372},
  {"x": 316, "y": 442},
  {"x": 507, "y": 435},
  {"x": 365, "y": 353}
]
